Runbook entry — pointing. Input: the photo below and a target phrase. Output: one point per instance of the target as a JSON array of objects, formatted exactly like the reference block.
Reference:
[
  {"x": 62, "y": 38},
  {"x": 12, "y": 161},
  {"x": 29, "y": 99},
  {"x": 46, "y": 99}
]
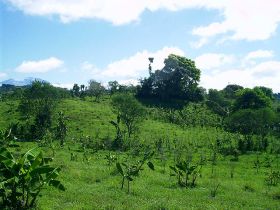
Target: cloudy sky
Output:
[{"x": 72, "y": 41}]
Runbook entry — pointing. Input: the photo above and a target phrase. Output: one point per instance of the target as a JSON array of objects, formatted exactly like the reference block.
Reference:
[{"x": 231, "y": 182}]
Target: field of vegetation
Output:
[{"x": 126, "y": 147}]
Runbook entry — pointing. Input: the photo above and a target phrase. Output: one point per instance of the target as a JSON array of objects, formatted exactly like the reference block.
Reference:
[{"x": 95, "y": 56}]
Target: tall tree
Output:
[{"x": 177, "y": 80}]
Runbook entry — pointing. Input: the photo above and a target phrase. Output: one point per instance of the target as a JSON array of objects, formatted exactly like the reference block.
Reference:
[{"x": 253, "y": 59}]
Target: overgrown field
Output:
[{"x": 225, "y": 180}]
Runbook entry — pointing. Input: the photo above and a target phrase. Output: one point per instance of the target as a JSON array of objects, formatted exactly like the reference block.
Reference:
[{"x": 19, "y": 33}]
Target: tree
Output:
[
  {"x": 266, "y": 91},
  {"x": 113, "y": 87},
  {"x": 37, "y": 105},
  {"x": 76, "y": 90},
  {"x": 177, "y": 80},
  {"x": 129, "y": 110},
  {"x": 96, "y": 89},
  {"x": 251, "y": 99},
  {"x": 230, "y": 91},
  {"x": 217, "y": 102},
  {"x": 251, "y": 122}
]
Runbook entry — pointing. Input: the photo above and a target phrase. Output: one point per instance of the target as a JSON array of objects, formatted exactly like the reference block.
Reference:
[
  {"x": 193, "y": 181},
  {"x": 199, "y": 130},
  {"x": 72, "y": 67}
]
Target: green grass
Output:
[{"x": 95, "y": 185}]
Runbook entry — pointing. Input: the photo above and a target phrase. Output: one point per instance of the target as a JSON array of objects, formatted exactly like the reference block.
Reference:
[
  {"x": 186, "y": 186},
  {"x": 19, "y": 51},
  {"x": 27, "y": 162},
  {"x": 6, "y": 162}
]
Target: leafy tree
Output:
[
  {"x": 251, "y": 122},
  {"x": 76, "y": 90},
  {"x": 251, "y": 99},
  {"x": 230, "y": 91},
  {"x": 37, "y": 105},
  {"x": 113, "y": 87},
  {"x": 95, "y": 89},
  {"x": 266, "y": 91},
  {"x": 217, "y": 102},
  {"x": 129, "y": 110},
  {"x": 177, "y": 80}
]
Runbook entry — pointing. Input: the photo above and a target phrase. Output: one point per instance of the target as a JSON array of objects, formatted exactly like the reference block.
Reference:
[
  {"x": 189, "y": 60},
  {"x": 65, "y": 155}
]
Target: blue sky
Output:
[{"x": 68, "y": 41}]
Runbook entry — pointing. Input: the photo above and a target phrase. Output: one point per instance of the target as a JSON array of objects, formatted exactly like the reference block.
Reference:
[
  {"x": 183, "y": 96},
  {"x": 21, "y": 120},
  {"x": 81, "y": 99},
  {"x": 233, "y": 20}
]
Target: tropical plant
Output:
[
  {"x": 130, "y": 171},
  {"x": 184, "y": 172},
  {"x": 22, "y": 180}
]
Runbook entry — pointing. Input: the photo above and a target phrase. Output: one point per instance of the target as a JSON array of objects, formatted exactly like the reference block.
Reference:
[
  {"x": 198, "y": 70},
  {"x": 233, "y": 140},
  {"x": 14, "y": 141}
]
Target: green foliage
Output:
[
  {"x": 7, "y": 137},
  {"x": 23, "y": 179},
  {"x": 76, "y": 90},
  {"x": 217, "y": 102},
  {"x": 252, "y": 122},
  {"x": 95, "y": 89},
  {"x": 129, "y": 111},
  {"x": 273, "y": 177},
  {"x": 192, "y": 115},
  {"x": 251, "y": 99},
  {"x": 199, "y": 115},
  {"x": 230, "y": 91},
  {"x": 177, "y": 80},
  {"x": 129, "y": 171},
  {"x": 183, "y": 170},
  {"x": 61, "y": 128},
  {"x": 37, "y": 105}
]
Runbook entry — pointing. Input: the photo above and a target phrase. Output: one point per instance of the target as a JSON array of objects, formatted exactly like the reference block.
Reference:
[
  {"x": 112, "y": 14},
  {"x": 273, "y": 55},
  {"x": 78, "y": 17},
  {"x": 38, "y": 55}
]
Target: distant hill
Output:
[{"x": 27, "y": 81}]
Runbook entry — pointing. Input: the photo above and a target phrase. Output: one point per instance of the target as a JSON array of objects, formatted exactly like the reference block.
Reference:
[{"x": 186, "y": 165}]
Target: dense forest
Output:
[{"x": 166, "y": 143}]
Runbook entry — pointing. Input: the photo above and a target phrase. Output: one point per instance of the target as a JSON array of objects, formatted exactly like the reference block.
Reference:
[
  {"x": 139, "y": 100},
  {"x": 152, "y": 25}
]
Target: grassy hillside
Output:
[{"x": 95, "y": 184}]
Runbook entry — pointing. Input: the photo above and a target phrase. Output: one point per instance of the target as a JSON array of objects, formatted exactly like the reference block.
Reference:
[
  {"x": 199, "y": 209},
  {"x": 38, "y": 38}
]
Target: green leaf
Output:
[
  {"x": 151, "y": 165},
  {"x": 5, "y": 155},
  {"x": 57, "y": 184},
  {"x": 119, "y": 167},
  {"x": 42, "y": 170}
]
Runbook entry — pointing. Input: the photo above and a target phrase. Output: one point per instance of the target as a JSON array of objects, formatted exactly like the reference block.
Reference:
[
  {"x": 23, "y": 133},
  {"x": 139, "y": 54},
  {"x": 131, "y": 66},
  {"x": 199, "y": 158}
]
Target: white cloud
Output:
[
  {"x": 198, "y": 44},
  {"x": 210, "y": 61},
  {"x": 66, "y": 85},
  {"x": 133, "y": 67},
  {"x": 259, "y": 54},
  {"x": 41, "y": 66},
  {"x": 263, "y": 74},
  {"x": 249, "y": 20},
  {"x": 117, "y": 12},
  {"x": 2, "y": 75}
]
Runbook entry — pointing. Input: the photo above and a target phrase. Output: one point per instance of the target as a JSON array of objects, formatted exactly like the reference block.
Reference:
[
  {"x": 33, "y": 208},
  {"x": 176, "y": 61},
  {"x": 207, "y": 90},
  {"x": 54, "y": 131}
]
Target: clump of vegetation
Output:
[
  {"x": 186, "y": 172},
  {"x": 129, "y": 112},
  {"x": 129, "y": 171},
  {"x": 23, "y": 179}
]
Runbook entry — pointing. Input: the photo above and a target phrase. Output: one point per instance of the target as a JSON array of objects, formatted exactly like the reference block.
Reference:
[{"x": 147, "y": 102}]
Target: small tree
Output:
[
  {"x": 96, "y": 89},
  {"x": 61, "y": 128},
  {"x": 76, "y": 90},
  {"x": 129, "y": 110}
]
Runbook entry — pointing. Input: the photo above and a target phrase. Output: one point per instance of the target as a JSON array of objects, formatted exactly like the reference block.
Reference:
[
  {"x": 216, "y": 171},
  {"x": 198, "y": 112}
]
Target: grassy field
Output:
[{"x": 95, "y": 184}]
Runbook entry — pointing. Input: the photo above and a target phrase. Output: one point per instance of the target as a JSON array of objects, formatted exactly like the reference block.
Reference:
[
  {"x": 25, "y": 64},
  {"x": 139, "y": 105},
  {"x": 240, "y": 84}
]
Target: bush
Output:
[{"x": 21, "y": 180}]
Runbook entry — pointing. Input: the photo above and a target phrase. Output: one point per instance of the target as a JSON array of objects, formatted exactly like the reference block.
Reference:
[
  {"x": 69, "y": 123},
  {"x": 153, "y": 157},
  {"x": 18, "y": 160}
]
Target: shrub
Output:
[{"x": 22, "y": 179}]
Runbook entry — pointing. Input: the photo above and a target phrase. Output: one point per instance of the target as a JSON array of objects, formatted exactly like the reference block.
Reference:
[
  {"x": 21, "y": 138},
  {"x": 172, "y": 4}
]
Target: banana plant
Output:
[
  {"x": 22, "y": 179},
  {"x": 7, "y": 138},
  {"x": 130, "y": 171},
  {"x": 184, "y": 172}
]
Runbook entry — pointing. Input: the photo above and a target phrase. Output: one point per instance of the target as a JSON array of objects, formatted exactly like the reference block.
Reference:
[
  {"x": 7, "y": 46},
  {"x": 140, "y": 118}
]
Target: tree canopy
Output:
[{"x": 178, "y": 79}]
